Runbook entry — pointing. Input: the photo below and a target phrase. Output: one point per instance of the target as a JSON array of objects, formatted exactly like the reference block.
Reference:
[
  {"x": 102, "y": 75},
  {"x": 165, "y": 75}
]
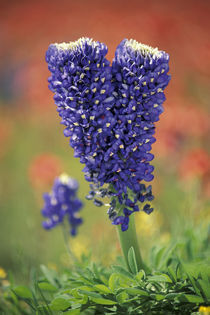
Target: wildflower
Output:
[
  {"x": 3, "y": 273},
  {"x": 109, "y": 113},
  {"x": 43, "y": 168},
  {"x": 62, "y": 202},
  {"x": 80, "y": 247},
  {"x": 196, "y": 163},
  {"x": 204, "y": 310}
]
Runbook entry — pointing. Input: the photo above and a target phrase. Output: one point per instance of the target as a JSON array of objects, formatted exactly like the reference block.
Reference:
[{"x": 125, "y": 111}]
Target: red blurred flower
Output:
[
  {"x": 167, "y": 143},
  {"x": 196, "y": 163},
  {"x": 179, "y": 125},
  {"x": 186, "y": 121},
  {"x": 43, "y": 169}
]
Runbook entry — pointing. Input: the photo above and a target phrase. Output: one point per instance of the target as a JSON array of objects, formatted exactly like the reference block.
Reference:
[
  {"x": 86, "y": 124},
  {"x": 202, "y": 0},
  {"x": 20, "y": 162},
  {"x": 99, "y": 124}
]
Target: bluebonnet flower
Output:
[
  {"x": 62, "y": 202},
  {"x": 110, "y": 114},
  {"x": 140, "y": 74}
]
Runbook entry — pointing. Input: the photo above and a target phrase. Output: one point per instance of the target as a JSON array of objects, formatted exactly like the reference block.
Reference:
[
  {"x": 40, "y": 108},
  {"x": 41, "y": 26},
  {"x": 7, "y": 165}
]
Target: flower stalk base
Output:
[{"x": 127, "y": 240}]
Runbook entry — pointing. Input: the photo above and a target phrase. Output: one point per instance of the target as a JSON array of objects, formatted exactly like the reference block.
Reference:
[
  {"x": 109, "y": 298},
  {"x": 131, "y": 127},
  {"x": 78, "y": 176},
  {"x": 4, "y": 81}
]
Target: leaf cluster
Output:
[
  {"x": 92, "y": 289},
  {"x": 168, "y": 285}
]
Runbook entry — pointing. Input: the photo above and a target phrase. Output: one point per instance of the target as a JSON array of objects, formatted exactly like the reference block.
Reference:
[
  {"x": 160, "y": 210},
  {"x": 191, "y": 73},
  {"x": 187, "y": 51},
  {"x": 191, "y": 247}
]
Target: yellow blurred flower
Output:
[
  {"x": 52, "y": 266},
  {"x": 79, "y": 247},
  {"x": 165, "y": 238},
  {"x": 3, "y": 273},
  {"x": 147, "y": 224},
  {"x": 204, "y": 310},
  {"x": 5, "y": 283}
]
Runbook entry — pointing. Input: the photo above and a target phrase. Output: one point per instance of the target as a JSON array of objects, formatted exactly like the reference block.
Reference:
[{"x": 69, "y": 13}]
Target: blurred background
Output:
[{"x": 33, "y": 149}]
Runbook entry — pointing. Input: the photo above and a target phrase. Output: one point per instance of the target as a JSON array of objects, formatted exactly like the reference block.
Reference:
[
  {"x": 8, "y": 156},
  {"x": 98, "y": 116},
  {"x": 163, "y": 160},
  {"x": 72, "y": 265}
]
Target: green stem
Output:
[
  {"x": 66, "y": 241},
  {"x": 127, "y": 240}
]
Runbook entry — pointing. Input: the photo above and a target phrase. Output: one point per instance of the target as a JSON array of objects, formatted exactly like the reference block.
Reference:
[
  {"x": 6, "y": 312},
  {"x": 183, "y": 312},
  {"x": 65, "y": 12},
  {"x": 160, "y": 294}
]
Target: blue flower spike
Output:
[
  {"x": 110, "y": 112},
  {"x": 62, "y": 202}
]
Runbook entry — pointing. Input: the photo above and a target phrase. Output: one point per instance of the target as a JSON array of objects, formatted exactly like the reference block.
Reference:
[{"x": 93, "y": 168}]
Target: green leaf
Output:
[
  {"x": 122, "y": 271},
  {"x": 79, "y": 300},
  {"x": 23, "y": 292},
  {"x": 104, "y": 279},
  {"x": 159, "y": 278},
  {"x": 172, "y": 296},
  {"x": 43, "y": 309},
  {"x": 85, "y": 280},
  {"x": 89, "y": 293},
  {"x": 89, "y": 274},
  {"x": 102, "y": 288},
  {"x": 166, "y": 254},
  {"x": 49, "y": 274},
  {"x": 122, "y": 297},
  {"x": 95, "y": 271},
  {"x": 118, "y": 280},
  {"x": 75, "y": 293},
  {"x": 158, "y": 256},
  {"x": 157, "y": 297},
  {"x": 132, "y": 261},
  {"x": 113, "y": 281},
  {"x": 193, "y": 283},
  {"x": 197, "y": 269},
  {"x": 46, "y": 286},
  {"x": 140, "y": 275},
  {"x": 13, "y": 297},
  {"x": 86, "y": 288},
  {"x": 172, "y": 273},
  {"x": 205, "y": 273},
  {"x": 136, "y": 291},
  {"x": 190, "y": 298},
  {"x": 204, "y": 286},
  {"x": 103, "y": 301},
  {"x": 60, "y": 303},
  {"x": 72, "y": 312}
]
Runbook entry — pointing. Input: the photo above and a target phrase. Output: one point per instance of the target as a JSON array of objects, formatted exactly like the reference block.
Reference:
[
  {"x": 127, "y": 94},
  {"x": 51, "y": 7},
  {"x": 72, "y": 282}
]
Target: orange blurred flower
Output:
[{"x": 43, "y": 169}]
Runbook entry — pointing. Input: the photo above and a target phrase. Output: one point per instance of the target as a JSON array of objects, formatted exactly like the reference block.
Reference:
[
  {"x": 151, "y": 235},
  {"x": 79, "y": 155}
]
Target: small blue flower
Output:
[
  {"x": 110, "y": 113},
  {"x": 62, "y": 202}
]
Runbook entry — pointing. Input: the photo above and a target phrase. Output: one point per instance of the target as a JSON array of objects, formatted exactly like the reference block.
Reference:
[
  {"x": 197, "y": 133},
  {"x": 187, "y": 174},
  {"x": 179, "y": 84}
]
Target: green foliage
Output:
[
  {"x": 172, "y": 286},
  {"x": 132, "y": 261}
]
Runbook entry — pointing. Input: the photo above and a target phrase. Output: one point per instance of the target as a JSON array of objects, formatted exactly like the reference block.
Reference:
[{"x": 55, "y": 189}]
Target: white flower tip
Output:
[
  {"x": 142, "y": 48},
  {"x": 74, "y": 45}
]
